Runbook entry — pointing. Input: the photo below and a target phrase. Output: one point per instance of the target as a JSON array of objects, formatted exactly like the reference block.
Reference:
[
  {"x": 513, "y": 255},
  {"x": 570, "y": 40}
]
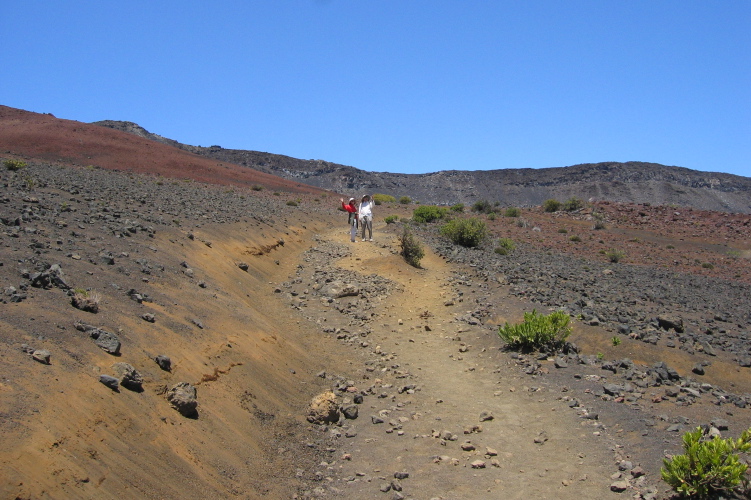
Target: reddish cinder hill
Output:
[{"x": 43, "y": 137}]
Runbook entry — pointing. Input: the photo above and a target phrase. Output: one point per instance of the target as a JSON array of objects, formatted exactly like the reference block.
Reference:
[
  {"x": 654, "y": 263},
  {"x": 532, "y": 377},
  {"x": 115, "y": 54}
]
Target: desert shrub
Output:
[
  {"x": 85, "y": 300},
  {"x": 575, "y": 238},
  {"x": 707, "y": 468},
  {"x": 428, "y": 213},
  {"x": 551, "y": 205},
  {"x": 505, "y": 246},
  {"x": 391, "y": 219},
  {"x": 465, "y": 232},
  {"x": 563, "y": 230},
  {"x": 512, "y": 212},
  {"x": 707, "y": 265},
  {"x": 405, "y": 200},
  {"x": 277, "y": 193},
  {"x": 379, "y": 198},
  {"x": 291, "y": 203},
  {"x": 482, "y": 206},
  {"x": 491, "y": 216},
  {"x": 537, "y": 331},
  {"x": 256, "y": 187},
  {"x": 573, "y": 204},
  {"x": 459, "y": 207},
  {"x": 614, "y": 255},
  {"x": 522, "y": 223},
  {"x": 411, "y": 249},
  {"x": 14, "y": 165}
]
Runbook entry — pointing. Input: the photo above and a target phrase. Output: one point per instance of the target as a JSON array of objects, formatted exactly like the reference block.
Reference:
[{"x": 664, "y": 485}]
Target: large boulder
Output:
[{"x": 324, "y": 409}]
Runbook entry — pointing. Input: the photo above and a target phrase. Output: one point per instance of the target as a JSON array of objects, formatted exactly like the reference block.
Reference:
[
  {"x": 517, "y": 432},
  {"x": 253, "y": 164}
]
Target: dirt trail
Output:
[{"x": 434, "y": 376}]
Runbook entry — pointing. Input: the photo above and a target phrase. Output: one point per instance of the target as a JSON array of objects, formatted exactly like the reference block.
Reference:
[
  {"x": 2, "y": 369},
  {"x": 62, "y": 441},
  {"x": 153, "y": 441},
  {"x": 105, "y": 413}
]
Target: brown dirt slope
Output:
[{"x": 43, "y": 137}]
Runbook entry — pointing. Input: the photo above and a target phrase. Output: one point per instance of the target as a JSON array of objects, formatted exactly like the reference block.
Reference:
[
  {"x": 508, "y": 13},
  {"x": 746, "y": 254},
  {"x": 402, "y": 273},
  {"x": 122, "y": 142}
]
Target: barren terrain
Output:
[{"x": 261, "y": 303}]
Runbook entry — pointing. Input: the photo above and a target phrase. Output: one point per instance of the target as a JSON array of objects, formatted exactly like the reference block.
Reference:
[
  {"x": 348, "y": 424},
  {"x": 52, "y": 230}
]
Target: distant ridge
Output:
[{"x": 637, "y": 182}]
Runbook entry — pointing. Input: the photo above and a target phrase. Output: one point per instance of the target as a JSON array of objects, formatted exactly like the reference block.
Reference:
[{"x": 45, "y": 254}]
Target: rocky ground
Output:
[{"x": 221, "y": 312}]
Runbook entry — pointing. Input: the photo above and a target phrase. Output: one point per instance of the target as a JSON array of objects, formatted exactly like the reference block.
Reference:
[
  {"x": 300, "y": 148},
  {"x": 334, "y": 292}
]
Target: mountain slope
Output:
[{"x": 637, "y": 182}]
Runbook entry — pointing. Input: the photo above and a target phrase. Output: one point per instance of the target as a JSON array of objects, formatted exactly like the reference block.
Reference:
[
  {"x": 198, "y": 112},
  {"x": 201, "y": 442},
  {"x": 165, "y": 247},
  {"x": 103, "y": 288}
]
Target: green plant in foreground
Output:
[
  {"x": 14, "y": 165},
  {"x": 707, "y": 468},
  {"x": 537, "y": 330},
  {"x": 390, "y": 219},
  {"x": 616, "y": 341},
  {"x": 411, "y": 249},
  {"x": 465, "y": 232}
]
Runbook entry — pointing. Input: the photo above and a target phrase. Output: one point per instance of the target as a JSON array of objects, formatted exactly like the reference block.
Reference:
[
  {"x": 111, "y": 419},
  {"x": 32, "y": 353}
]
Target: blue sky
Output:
[{"x": 407, "y": 86}]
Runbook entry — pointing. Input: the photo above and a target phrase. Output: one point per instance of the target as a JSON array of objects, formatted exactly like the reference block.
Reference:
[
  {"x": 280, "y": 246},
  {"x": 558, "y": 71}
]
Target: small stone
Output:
[
  {"x": 164, "y": 362},
  {"x": 486, "y": 415},
  {"x": 109, "y": 381},
  {"x": 182, "y": 397},
  {"x": 148, "y": 317},
  {"x": 478, "y": 464},
  {"x": 401, "y": 475},
  {"x": 41, "y": 355},
  {"x": 619, "y": 486}
]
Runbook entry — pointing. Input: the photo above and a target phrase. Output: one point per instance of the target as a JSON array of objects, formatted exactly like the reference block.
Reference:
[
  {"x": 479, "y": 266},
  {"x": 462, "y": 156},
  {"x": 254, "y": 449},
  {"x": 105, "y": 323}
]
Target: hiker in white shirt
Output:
[{"x": 366, "y": 216}]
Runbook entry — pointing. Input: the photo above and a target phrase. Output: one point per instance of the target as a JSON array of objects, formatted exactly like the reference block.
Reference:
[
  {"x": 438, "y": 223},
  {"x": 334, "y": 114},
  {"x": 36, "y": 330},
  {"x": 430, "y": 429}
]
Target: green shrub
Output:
[
  {"x": 411, "y": 249},
  {"x": 551, "y": 205},
  {"x": 563, "y": 230},
  {"x": 537, "y": 331},
  {"x": 391, "y": 219},
  {"x": 465, "y": 232},
  {"x": 575, "y": 238},
  {"x": 482, "y": 206},
  {"x": 707, "y": 265},
  {"x": 512, "y": 212},
  {"x": 505, "y": 246},
  {"x": 256, "y": 187},
  {"x": 573, "y": 204},
  {"x": 405, "y": 200},
  {"x": 614, "y": 255},
  {"x": 379, "y": 198},
  {"x": 428, "y": 213},
  {"x": 491, "y": 216},
  {"x": 14, "y": 165},
  {"x": 459, "y": 207},
  {"x": 292, "y": 203},
  {"x": 707, "y": 468}
]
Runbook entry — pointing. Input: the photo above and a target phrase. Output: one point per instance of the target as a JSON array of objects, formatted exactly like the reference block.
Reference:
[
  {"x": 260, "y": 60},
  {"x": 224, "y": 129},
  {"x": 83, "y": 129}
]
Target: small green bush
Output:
[
  {"x": 292, "y": 203},
  {"x": 614, "y": 255},
  {"x": 575, "y": 238},
  {"x": 256, "y": 187},
  {"x": 707, "y": 468},
  {"x": 465, "y": 232},
  {"x": 405, "y": 200},
  {"x": 482, "y": 206},
  {"x": 459, "y": 207},
  {"x": 505, "y": 246},
  {"x": 411, "y": 249},
  {"x": 512, "y": 212},
  {"x": 379, "y": 198},
  {"x": 428, "y": 213},
  {"x": 14, "y": 165},
  {"x": 551, "y": 205},
  {"x": 391, "y": 219},
  {"x": 707, "y": 265},
  {"x": 563, "y": 230},
  {"x": 573, "y": 204},
  {"x": 537, "y": 331},
  {"x": 491, "y": 216}
]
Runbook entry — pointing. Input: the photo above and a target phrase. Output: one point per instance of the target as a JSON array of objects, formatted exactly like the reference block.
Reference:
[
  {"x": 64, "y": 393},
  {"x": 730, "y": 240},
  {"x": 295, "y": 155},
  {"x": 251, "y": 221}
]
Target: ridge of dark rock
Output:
[{"x": 628, "y": 182}]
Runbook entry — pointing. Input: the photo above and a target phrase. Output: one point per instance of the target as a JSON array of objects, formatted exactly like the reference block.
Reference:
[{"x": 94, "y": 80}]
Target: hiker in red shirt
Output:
[{"x": 352, "y": 210}]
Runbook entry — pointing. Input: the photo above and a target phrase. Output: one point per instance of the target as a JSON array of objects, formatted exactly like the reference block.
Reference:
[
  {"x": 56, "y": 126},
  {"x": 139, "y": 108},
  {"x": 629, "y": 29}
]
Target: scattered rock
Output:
[
  {"x": 182, "y": 397},
  {"x": 323, "y": 409}
]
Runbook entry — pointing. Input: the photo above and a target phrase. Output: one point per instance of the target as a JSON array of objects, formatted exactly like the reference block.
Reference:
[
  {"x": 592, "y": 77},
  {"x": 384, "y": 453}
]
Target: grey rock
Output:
[
  {"x": 350, "y": 411},
  {"x": 41, "y": 355},
  {"x": 164, "y": 362},
  {"x": 128, "y": 376},
  {"x": 110, "y": 382},
  {"x": 182, "y": 397}
]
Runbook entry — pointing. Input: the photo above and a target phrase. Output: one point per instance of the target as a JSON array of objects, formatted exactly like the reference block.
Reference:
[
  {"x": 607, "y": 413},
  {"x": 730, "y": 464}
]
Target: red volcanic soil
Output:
[{"x": 42, "y": 137}]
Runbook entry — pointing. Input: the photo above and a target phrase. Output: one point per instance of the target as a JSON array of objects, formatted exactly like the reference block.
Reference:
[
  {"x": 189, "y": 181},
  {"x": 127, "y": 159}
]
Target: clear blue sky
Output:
[{"x": 406, "y": 86}]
